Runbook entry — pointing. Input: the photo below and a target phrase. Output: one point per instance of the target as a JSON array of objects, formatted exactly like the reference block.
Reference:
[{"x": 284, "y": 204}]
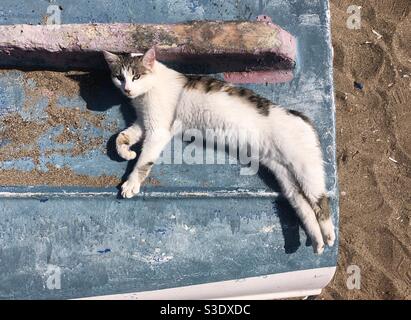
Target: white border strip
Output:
[
  {"x": 275, "y": 286},
  {"x": 178, "y": 194}
]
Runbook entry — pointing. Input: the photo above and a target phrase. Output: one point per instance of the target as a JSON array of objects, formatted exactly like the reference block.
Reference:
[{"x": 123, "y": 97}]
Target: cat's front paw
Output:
[
  {"x": 123, "y": 147},
  {"x": 129, "y": 189}
]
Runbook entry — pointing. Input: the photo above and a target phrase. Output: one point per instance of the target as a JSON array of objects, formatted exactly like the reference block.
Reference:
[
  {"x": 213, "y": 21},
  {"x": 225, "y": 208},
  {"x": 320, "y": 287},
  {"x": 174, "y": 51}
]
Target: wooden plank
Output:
[{"x": 215, "y": 46}]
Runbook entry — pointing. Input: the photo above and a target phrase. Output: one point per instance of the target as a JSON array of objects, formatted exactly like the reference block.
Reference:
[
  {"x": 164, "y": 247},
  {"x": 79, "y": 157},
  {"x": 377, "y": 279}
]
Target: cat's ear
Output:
[
  {"x": 149, "y": 58},
  {"x": 111, "y": 58}
]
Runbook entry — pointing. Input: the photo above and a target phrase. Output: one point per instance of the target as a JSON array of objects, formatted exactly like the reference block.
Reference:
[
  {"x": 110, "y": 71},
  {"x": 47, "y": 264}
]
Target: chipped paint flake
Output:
[{"x": 267, "y": 229}]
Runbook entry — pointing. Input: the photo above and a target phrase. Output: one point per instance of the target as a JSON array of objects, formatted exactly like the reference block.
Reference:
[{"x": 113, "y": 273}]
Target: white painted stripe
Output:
[
  {"x": 276, "y": 286},
  {"x": 177, "y": 194}
]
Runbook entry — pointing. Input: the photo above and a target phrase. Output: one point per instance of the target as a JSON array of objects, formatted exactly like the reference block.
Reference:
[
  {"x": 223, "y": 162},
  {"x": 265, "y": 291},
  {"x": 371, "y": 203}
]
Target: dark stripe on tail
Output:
[{"x": 321, "y": 208}]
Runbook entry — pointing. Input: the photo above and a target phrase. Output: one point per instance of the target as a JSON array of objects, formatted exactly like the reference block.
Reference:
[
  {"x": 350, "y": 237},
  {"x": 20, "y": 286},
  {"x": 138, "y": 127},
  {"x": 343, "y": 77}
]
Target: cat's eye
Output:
[
  {"x": 120, "y": 77},
  {"x": 136, "y": 77}
]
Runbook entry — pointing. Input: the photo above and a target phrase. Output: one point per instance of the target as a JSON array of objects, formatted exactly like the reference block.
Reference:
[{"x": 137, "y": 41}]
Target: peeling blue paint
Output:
[
  {"x": 104, "y": 251},
  {"x": 11, "y": 91},
  {"x": 23, "y": 164}
]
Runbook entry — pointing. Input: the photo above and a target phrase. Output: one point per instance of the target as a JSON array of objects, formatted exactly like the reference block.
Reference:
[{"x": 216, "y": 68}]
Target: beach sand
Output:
[{"x": 374, "y": 148}]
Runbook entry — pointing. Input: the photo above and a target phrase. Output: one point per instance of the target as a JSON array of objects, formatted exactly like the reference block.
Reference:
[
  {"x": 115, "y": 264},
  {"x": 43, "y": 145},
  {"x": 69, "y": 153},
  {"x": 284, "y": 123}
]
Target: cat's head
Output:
[{"x": 132, "y": 73}]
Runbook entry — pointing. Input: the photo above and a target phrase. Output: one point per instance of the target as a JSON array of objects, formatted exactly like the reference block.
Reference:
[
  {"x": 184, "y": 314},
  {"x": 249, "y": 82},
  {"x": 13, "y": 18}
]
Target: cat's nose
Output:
[{"x": 127, "y": 91}]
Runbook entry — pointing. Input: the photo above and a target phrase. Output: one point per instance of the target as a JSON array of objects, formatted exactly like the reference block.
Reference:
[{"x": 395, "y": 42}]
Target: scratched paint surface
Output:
[{"x": 104, "y": 245}]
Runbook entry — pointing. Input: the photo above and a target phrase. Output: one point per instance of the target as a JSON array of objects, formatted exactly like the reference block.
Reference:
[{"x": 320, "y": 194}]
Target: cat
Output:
[{"x": 288, "y": 142}]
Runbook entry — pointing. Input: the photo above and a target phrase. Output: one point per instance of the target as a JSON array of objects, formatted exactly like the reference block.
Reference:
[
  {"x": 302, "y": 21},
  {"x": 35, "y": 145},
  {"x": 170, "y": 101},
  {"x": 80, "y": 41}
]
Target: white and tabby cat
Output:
[{"x": 288, "y": 143}]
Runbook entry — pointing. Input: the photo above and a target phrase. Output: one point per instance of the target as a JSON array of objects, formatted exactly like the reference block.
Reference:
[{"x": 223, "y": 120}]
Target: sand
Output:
[
  {"x": 23, "y": 135},
  {"x": 374, "y": 149}
]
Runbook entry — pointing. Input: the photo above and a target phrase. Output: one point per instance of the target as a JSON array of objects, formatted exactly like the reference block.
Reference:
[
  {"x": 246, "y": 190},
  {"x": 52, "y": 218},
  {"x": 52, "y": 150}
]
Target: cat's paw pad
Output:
[
  {"x": 318, "y": 248},
  {"x": 130, "y": 189},
  {"x": 126, "y": 153},
  {"x": 328, "y": 232},
  {"x": 123, "y": 147},
  {"x": 330, "y": 239}
]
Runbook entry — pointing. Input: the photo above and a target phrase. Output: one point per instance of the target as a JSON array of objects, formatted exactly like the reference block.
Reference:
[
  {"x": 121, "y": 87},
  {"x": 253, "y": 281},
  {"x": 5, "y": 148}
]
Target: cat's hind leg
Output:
[
  {"x": 311, "y": 182},
  {"x": 299, "y": 202}
]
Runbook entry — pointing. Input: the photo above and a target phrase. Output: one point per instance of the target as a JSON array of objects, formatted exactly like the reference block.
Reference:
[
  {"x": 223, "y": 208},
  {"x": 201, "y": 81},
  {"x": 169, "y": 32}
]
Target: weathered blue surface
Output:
[{"x": 176, "y": 233}]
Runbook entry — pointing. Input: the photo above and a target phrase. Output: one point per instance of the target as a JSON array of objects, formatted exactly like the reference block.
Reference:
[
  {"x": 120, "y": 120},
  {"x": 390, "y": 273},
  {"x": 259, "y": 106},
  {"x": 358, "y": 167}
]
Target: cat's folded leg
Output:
[
  {"x": 153, "y": 144},
  {"x": 128, "y": 138}
]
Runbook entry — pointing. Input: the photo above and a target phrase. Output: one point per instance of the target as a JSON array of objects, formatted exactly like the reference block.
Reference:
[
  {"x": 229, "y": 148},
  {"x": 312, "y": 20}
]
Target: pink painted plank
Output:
[
  {"x": 213, "y": 45},
  {"x": 288, "y": 49},
  {"x": 277, "y": 76}
]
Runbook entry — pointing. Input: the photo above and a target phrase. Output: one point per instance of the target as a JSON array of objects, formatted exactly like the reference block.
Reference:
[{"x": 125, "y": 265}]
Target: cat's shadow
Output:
[
  {"x": 290, "y": 224},
  {"x": 100, "y": 95}
]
